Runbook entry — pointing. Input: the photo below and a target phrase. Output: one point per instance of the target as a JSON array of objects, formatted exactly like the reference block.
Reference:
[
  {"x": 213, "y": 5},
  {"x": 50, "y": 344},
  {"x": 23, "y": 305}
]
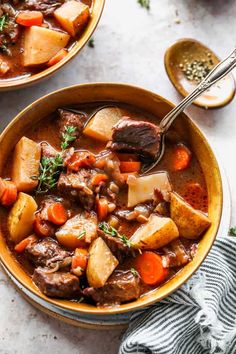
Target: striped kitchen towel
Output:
[{"x": 199, "y": 318}]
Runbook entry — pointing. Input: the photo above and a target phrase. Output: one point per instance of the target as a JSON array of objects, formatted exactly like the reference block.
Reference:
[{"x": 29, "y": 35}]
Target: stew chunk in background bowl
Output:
[{"x": 39, "y": 37}]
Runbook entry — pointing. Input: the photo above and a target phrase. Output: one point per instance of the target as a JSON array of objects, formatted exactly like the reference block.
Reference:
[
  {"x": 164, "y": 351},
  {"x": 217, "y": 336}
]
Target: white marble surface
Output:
[{"x": 129, "y": 47}]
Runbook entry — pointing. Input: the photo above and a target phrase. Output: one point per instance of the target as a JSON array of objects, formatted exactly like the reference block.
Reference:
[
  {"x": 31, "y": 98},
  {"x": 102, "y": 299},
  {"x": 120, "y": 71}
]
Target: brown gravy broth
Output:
[
  {"x": 45, "y": 131},
  {"x": 15, "y": 60}
]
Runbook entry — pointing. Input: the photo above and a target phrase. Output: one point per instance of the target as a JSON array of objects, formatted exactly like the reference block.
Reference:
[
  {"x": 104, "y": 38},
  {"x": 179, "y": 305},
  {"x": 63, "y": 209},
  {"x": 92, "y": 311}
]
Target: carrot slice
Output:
[
  {"x": 99, "y": 178},
  {"x": 81, "y": 159},
  {"x": 21, "y": 246},
  {"x": 102, "y": 208},
  {"x": 58, "y": 57},
  {"x": 130, "y": 166},
  {"x": 80, "y": 259},
  {"x": 9, "y": 194},
  {"x": 2, "y": 187},
  {"x": 29, "y": 18},
  {"x": 127, "y": 157},
  {"x": 182, "y": 157},
  {"x": 150, "y": 268},
  {"x": 57, "y": 214}
]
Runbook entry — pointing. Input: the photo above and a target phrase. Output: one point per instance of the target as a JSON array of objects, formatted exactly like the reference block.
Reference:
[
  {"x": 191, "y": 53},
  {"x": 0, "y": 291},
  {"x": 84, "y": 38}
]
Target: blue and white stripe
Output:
[{"x": 199, "y": 318}]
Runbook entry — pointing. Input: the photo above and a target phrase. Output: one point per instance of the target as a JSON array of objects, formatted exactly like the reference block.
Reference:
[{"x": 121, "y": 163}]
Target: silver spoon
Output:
[{"x": 216, "y": 74}]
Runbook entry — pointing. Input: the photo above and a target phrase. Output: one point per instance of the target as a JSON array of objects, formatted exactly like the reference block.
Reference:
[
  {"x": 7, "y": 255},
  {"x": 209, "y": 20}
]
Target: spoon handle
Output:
[{"x": 216, "y": 74}]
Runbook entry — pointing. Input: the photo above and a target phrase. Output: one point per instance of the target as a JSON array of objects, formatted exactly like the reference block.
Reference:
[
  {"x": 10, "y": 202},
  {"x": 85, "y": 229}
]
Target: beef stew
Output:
[
  {"x": 37, "y": 34},
  {"x": 81, "y": 219}
]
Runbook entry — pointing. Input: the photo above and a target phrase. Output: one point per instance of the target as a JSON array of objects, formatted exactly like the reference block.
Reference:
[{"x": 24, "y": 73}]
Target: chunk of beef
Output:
[
  {"x": 67, "y": 118},
  {"x": 59, "y": 284},
  {"x": 176, "y": 255},
  {"x": 47, "y": 253},
  {"x": 122, "y": 286},
  {"x": 136, "y": 136},
  {"x": 140, "y": 213},
  {"x": 117, "y": 247},
  {"x": 47, "y": 150},
  {"x": 78, "y": 187},
  {"x": 47, "y": 7},
  {"x": 11, "y": 31}
]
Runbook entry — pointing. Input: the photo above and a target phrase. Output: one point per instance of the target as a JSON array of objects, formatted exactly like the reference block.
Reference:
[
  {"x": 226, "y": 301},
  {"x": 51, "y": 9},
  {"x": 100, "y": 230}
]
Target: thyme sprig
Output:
[
  {"x": 3, "y": 22},
  {"x": 111, "y": 231},
  {"x": 68, "y": 136},
  {"x": 51, "y": 167},
  {"x": 134, "y": 272},
  {"x": 232, "y": 231},
  {"x": 81, "y": 235},
  {"x": 91, "y": 43},
  {"x": 144, "y": 3}
]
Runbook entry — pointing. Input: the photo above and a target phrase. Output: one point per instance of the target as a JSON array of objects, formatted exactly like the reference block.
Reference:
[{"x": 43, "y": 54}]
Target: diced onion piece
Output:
[{"x": 142, "y": 189}]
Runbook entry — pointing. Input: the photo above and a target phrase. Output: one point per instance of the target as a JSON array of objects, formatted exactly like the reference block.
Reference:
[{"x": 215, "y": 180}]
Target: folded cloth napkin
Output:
[{"x": 199, "y": 318}]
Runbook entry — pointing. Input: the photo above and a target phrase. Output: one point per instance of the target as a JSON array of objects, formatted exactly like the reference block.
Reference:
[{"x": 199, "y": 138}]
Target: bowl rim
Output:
[
  {"x": 130, "y": 306},
  {"x": 25, "y": 81}
]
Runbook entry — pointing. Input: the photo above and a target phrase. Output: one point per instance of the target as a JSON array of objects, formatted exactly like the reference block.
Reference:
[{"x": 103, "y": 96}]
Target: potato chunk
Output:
[
  {"x": 41, "y": 44},
  {"x": 78, "y": 231},
  {"x": 156, "y": 233},
  {"x": 142, "y": 189},
  {"x": 72, "y": 16},
  {"x": 100, "y": 127},
  {"x": 26, "y": 160},
  {"x": 190, "y": 222},
  {"x": 21, "y": 217},
  {"x": 101, "y": 263}
]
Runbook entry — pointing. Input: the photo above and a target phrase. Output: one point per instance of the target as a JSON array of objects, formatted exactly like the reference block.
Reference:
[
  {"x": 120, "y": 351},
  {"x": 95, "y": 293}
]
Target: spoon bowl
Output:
[{"x": 180, "y": 56}]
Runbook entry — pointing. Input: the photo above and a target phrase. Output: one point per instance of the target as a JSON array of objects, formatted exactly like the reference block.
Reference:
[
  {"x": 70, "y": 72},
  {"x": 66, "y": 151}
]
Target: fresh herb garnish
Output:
[
  {"x": 81, "y": 235},
  {"x": 68, "y": 136},
  {"x": 80, "y": 299},
  {"x": 111, "y": 231},
  {"x": 144, "y": 3},
  {"x": 134, "y": 272},
  {"x": 91, "y": 43},
  {"x": 232, "y": 231},
  {"x": 3, "y": 22},
  {"x": 50, "y": 169},
  {"x": 125, "y": 240}
]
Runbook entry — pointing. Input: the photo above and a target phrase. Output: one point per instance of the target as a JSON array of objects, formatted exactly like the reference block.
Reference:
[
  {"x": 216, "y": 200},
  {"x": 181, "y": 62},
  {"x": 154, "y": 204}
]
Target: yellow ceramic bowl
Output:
[
  {"x": 144, "y": 100},
  {"x": 16, "y": 83}
]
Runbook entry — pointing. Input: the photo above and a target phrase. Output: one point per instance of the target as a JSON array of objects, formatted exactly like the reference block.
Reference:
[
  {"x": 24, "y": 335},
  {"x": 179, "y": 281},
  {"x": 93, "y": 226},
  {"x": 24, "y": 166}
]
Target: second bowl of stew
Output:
[
  {"x": 81, "y": 226},
  {"x": 37, "y": 37}
]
